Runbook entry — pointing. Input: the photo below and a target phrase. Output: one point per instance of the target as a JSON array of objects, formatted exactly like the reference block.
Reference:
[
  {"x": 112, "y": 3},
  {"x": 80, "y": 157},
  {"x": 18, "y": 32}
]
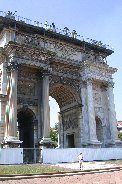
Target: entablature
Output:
[
  {"x": 97, "y": 71},
  {"x": 40, "y": 58},
  {"x": 60, "y": 48}
]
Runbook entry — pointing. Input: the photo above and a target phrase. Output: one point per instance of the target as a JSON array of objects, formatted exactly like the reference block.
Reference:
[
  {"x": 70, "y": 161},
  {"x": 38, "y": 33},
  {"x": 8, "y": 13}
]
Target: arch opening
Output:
[
  {"x": 26, "y": 127},
  {"x": 54, "y": 112},
  {"x": 68, "y": 118}
]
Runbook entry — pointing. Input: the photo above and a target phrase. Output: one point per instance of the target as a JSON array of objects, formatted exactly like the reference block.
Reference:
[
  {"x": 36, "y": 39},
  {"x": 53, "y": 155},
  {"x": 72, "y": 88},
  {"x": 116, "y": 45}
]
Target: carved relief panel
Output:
[
  {"x": 70, "y": 121},
  {"x": 97, "y": 96},
  {"x": 26, "y": 88}
]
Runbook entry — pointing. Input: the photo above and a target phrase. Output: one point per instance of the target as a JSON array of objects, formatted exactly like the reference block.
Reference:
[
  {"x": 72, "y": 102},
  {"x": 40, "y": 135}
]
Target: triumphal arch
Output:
[{"x": 38, "y": 61}]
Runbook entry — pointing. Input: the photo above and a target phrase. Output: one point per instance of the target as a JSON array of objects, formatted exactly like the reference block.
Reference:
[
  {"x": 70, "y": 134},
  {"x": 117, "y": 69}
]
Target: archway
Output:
[
  {"x": 70, "y": 108},
  {"x": 26, "y": 127},
  {"x": 54, "y": 112},
  {"x": 99, "y": 129}
]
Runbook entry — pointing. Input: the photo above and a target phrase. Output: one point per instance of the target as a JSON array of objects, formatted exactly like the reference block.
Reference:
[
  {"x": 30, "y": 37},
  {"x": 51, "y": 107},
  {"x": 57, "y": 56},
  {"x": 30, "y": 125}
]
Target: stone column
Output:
[
  {"x": 11, "y": 134},
  {"x": 13, "y": 103},
  {"x": 46, "y": 113},
  {"x": 112, "y": 114},
  {"x": 60, "y": 135},
  {"x": 40, "y": 109},
  {"x": 84, "y": 119},
  {"x": 2, "y": 116},
  {"x": 91, "y": 113}
]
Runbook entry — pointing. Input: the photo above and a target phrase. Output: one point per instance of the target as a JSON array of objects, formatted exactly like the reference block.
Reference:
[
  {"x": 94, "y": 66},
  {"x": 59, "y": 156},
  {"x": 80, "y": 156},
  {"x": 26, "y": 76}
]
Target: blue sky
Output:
[{"x": 97, "y": 19}]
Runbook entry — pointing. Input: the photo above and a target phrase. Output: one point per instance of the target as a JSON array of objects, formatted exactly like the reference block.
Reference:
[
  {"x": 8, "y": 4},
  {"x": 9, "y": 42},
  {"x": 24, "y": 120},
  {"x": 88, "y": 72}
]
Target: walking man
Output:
[{"x": 80, "y": 157}]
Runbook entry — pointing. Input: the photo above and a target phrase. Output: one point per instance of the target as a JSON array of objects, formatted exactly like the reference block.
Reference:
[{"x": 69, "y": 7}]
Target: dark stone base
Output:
[{"x": 46, "y": 143}]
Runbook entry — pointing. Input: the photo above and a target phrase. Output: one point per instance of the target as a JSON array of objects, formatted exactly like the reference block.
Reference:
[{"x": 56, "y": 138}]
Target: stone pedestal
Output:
[
  {"x": 46, "y": 143},
  {"x": 11, "y": 142}
]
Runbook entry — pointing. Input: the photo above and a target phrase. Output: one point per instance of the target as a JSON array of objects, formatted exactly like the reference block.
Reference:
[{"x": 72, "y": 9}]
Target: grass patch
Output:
[
  {"x": 28, "y": 169},
  {"x": 117, "y": 162}
]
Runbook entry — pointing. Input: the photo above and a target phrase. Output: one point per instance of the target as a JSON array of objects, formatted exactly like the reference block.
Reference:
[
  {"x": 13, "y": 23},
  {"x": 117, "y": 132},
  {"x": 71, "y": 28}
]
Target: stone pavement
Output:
[{"x": 94, "y": 176}]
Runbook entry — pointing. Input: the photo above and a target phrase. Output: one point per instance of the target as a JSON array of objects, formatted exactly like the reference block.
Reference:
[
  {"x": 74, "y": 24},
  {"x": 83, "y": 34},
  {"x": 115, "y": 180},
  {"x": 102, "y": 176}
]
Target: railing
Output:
[{"x": 52, "y": 27}]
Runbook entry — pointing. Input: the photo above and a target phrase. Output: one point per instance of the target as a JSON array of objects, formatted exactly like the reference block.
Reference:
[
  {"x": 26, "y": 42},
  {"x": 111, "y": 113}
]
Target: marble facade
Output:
[{"x": 36, "y": 63}]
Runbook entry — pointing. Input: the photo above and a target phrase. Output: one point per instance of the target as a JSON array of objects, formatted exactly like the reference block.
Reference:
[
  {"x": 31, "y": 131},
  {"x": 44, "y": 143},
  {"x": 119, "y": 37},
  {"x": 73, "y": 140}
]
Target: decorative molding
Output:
[
  {"x": 97, "y": 99},
  {"x": 25, "y": 54},
  {"x": 97, "y": 71},
  {"x": 27, "y": 101},
  {"x": 26, "y": 73},
  {"x": 64, "y": 81}
]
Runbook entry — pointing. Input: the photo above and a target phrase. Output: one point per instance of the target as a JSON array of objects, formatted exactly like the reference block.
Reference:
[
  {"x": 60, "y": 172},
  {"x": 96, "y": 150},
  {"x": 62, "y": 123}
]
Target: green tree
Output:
[
  {"x": 120, "y": 135},
  {"x": 54, "y": 135}
]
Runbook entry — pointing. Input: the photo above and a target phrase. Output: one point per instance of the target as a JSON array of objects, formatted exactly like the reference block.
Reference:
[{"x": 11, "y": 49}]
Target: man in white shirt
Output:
[{"x": 80, "y": 157}]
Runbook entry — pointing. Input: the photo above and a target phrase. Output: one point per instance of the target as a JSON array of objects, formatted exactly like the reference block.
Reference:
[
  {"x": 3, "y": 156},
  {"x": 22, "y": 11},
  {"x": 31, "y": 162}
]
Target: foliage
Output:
[
  {"x": 120, "y": 135},
  {"x": 54, "y": 135}
]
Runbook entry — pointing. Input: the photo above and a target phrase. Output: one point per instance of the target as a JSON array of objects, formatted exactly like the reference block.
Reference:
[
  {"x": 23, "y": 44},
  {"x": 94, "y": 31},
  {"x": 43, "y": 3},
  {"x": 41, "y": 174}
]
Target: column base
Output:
[
  {"x": 118, "y": 144},
  {"x": 94, "y": 144},
  {"x": 84, "y": 144},
  {"x": 46, "y": 143},
  {"x": 113, "y": 144},
  {"x": 11, "y": 142}
]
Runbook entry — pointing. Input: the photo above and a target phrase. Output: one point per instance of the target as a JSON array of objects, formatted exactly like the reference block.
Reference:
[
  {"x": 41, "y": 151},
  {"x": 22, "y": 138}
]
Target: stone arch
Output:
[
  {"x": 26, "y": 119},
  {"x": 99, "y": 129},
  {"x": 64, "y": 95}
]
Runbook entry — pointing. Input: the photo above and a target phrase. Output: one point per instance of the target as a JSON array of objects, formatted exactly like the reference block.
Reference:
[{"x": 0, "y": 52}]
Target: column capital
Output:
[
  {"x": 82, "y": 85},
  {"x": 89, "y": 81},
  {"x": 11, "y": 66},
  {"x": 46, "y": 72},
  {"x": 110, "y": 84}
]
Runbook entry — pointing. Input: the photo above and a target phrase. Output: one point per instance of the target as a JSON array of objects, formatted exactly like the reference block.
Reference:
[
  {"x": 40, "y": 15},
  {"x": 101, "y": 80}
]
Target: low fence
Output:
[
  {"x": 20, "y": 155},
  {"x": 11, "y": 156},
  {"x": 53, "y": 156}
]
